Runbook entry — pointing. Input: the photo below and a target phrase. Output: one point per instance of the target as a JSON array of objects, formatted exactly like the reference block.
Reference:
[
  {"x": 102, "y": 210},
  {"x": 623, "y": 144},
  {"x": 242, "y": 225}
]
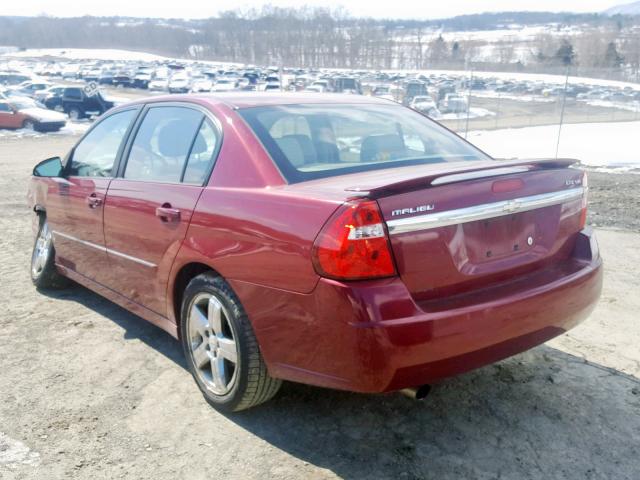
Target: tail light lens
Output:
[
  {"x": 583, "y": 211},
  {"x": 353, "y": 245}
]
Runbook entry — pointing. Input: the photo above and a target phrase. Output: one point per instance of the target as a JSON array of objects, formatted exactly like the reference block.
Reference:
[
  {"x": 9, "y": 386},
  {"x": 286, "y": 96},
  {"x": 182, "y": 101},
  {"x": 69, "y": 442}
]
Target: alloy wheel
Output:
[
  {"x": 212, "y": 343},
  {"x": 41, "y": 251}
]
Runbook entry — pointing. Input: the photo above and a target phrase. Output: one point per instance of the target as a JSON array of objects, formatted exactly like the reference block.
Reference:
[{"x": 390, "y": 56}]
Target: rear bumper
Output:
[{"x": 373, "y": 337}]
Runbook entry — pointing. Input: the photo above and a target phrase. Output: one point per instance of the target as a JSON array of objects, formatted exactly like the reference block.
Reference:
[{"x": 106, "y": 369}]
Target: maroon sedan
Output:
[{"x": 340, "y": 241}]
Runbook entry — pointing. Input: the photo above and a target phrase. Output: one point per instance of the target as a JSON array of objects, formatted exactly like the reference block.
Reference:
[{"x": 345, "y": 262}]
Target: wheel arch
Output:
[{"x": 181, "y": 279}]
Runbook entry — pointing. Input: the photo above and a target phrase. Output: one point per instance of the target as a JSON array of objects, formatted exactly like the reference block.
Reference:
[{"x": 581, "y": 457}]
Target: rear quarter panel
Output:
[{"x": 257, "y": 236}]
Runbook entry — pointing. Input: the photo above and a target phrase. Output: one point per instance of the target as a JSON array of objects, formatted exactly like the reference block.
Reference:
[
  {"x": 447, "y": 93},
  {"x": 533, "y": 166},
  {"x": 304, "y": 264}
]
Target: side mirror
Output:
[{"x": 51, "y": 167}]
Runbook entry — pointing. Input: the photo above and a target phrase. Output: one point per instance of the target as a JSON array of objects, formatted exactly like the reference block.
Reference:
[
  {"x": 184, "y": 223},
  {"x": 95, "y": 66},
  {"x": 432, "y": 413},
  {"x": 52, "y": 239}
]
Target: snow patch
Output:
[
  {"x": 474, "y": 112},
  {"x": 71, "y": 128},
  {"x": 14, "y": 453},
  {"x": 608, "y": 146},
  {"x": 88, "y": 54}
]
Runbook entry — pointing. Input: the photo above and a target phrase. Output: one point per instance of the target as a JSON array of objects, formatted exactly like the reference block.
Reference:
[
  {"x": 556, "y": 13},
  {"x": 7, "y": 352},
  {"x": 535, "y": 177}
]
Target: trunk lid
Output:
[{"x": 457, "y": 231}]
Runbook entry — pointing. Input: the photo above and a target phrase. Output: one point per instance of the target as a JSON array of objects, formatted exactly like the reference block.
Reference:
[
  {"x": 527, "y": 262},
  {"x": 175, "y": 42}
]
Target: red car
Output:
[
  {"x": 340, "y": 241},
  {"x": 21, "y": 112}
]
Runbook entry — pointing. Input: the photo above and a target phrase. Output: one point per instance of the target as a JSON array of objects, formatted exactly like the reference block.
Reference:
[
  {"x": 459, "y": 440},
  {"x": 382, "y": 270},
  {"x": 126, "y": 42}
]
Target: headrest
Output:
[
  {"x": 292, "y": 150},
  {"x": 174, "y": 138},
  {"x": 381, "y": 147},
  {"x": 306, "y": 145}
]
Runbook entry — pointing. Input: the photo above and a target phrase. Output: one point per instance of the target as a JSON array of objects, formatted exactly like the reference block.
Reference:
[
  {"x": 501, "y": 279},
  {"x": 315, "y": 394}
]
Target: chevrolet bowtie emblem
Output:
[{"x": 511, "y": 206}]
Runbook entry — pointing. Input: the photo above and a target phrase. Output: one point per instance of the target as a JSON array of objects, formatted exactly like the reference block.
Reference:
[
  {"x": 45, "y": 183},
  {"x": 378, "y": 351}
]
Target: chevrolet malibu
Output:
[{"x": 340, "y": 241}]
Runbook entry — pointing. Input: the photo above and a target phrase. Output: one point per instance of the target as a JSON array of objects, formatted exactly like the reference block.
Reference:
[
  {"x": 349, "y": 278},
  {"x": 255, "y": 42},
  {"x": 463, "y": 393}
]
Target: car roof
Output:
[{"x": 258, "y": 99}]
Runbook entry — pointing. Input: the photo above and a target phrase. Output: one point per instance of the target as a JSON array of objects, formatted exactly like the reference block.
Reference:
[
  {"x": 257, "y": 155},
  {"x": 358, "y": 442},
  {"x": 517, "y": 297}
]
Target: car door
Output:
[
  {"x": 75, "y": 201},
  {"x": 149, "y": 207}
]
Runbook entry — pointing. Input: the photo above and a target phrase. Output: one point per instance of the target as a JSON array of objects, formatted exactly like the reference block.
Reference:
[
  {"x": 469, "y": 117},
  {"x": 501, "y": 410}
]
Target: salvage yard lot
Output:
[{"x": 88, "y": 390}]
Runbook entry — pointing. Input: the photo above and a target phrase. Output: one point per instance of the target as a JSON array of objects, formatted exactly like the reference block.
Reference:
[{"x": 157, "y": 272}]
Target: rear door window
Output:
[{"x": 163, "y": 143}]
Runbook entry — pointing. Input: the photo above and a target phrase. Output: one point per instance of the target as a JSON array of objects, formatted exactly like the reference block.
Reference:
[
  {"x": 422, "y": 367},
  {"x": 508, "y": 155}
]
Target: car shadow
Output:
[
  {"x": 134, "y": 327},
  {"x": 531, "y": 416},
  {"x": 541, "y": 414}
]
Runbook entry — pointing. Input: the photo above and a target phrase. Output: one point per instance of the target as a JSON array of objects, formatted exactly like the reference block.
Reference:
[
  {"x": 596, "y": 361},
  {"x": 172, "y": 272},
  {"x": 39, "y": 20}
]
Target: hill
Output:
[{"x": 624, "y": 9}]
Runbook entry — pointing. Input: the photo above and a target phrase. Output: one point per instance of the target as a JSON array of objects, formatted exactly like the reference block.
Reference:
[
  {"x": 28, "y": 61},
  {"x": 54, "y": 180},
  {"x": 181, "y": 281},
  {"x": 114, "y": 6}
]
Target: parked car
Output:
[
  {"x": 13, "y": 78},
  {"x": 314, "y": 89},
  {"x": 346, "y": 85},
  {"x": 179, "y": 84},
  {"x": 25, "y": 113},
  {"x": 272, "y": 87},
  {"x": 106, "y": 78},
  {"x": 453, "y": 103},
  {"x": 345, "y": 242},
  {"x": 122, "y": 80},
  {"x": 223, "y": 85},
  {"x": 31, "y": 88},
  {"x": 201, "y": 83},
  {"x": 320, "y": 85},
  {"x": 414, "y": 88},
  {"x": 159, "y": 84},
  {"x": 78, "y": 104},
  {"x": 92, "y": 75},
  {"x": 383, "y": 91},
  {"x": 425, "y": 104},
  {"x": 142, "y": 78},
  {"x": 53, "y": 91}
]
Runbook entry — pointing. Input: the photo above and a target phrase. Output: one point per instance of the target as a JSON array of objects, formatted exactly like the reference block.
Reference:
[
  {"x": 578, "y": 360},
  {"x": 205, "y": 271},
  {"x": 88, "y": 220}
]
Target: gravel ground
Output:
[
  {"x": 88, "y": 390},
  {"x": 614, "y": 200}
]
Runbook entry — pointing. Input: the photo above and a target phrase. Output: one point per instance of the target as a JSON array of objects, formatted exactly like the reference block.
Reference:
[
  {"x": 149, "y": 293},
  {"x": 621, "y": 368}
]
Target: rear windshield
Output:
[{"x": 318, "y": 141}]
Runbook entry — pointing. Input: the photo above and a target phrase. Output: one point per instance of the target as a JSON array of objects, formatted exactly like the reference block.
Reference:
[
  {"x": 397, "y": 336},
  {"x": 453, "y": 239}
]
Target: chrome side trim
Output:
[
  {"x": 106, "y": 250},
  {"x": 493, "y": 172},
  {"x": 129, "y": 257},
  {"x": 482, "y": 212},
  {"x": 83, "y": 242}
]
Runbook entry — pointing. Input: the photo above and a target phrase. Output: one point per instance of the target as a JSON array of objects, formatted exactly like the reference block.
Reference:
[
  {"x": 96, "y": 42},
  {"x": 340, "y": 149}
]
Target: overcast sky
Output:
[{"x": 371, "y": 8}]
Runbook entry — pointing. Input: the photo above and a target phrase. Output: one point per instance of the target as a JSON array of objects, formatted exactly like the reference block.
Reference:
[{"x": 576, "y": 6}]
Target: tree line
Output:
[{"x": 330, "y": 38}]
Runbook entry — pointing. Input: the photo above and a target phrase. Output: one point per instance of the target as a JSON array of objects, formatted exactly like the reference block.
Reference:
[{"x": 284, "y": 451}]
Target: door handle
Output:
[
  {"x": 168, "y": 214},
  {"x": 94, "y": 201}
]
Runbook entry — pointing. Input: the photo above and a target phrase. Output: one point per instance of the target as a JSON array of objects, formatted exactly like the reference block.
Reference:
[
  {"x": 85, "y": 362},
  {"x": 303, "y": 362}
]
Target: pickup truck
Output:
[{"x": 79, "y": 102}]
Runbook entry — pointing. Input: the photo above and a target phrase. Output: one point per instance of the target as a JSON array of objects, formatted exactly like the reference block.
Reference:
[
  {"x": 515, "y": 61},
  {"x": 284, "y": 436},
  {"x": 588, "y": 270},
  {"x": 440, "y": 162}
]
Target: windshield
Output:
[{"x": 318, "y": 141}]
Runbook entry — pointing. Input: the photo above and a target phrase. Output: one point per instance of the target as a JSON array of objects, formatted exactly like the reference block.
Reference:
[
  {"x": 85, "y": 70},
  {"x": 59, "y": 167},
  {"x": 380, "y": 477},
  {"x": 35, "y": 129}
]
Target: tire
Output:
[
  {"x": 29, "y": 125},
  {"x": 75, "y": 113},
  {"x": 208, "y": 347},
  {"x": 43, "y": 270}
]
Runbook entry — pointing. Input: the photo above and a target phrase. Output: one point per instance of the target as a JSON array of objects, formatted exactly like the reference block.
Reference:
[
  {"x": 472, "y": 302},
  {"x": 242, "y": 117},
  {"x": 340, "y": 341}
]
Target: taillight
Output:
[
  {"x": 353, "y": 244},
  {"x": 583, "y": 211}
]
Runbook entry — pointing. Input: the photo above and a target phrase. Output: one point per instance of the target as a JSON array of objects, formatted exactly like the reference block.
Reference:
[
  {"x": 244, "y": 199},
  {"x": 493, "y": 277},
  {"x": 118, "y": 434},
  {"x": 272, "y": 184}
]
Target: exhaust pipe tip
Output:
[{"x": 416, "y": 393}]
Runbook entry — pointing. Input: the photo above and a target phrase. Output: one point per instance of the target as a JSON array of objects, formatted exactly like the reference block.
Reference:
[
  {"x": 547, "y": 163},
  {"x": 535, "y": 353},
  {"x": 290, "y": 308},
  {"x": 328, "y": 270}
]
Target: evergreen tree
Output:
[
  {"x": 566, "y": 54},
  {"x": 612, "y": 59}
]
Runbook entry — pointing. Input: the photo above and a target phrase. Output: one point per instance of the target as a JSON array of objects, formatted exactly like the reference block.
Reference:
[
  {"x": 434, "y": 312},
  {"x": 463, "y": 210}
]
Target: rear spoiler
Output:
[{"x": 463, "y": 173}]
